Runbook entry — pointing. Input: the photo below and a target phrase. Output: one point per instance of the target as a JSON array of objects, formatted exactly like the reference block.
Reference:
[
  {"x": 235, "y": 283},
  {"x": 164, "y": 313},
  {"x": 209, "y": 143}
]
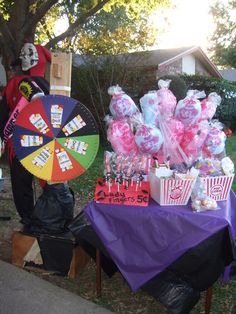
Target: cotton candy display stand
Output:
[
  {"x": 170, "y": 191},
  {"x": 218, "y": 187}
]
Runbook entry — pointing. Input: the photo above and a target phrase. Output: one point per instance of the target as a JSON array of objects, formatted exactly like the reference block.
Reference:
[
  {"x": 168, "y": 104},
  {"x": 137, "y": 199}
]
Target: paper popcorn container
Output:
[
  {"x": 170, "y": 191},
  {"x": 218, "y": 187}
]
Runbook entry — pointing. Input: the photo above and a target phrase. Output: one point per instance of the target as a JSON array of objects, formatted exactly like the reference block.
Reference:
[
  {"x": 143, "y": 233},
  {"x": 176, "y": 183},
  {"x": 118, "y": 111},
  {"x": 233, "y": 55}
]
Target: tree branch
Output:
[
  {"x": 78, "y": 23},
  {"x": 8, "y": 45},
  {"x": 38, "y": 15}
]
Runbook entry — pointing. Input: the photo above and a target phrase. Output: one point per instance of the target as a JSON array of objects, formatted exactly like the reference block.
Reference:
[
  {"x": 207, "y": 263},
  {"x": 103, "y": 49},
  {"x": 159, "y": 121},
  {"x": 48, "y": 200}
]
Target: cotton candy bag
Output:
[
  {"x": 121, "y": 105},
  {"x": 188, "y": 110}
]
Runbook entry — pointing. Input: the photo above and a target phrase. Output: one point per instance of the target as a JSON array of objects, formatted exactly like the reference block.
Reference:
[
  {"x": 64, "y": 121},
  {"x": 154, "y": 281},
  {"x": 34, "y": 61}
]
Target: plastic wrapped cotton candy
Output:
[
  {"x": 121, "y": 137},
  {"x": 209, "y": 106},
  {"x": 176, "y": 128},
  {"x": 227, "y": 166},
  {"x": 121, "y": 105},
  {"x": 148, "y": 139},
  {"x": 194, "y": 138},
  {"x": 188, "y": 110},
  {"x": 215, "y": 142},
  {"x": 149, "y": 105},
  {"x": 167, "y": 100}
]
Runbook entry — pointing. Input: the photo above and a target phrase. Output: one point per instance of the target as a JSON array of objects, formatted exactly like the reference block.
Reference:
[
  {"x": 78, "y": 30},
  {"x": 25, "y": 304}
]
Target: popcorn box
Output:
[
  {"x": 170, "y": 191},
  {"x": 218, "y": 187}
]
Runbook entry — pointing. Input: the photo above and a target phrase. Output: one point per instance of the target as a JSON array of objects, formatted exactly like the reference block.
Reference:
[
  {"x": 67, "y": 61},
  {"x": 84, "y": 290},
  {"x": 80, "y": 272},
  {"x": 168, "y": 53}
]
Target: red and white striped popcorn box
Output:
[
  {"x": 218, "y": 187},
  {"x": 170, "y": 191}
]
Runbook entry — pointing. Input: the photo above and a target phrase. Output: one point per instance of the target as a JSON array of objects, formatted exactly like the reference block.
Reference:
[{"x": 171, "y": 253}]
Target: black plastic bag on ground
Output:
[
  {"x": 175, "y": 294},
  {"x": 53, "y": 210}
]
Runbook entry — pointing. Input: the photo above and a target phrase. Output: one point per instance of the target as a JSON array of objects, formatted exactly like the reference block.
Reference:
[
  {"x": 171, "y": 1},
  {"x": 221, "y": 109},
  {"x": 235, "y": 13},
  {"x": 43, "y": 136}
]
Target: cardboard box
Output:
[
  {"x": 170, "y": 191},
  {"x": 60, "y": 74},
  {"x": 219, "y": 187}
]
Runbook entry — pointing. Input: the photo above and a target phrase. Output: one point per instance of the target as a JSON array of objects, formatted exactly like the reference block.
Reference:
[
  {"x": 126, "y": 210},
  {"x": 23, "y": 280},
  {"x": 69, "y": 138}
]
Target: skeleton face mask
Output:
[{"x": 29, "y": 56}]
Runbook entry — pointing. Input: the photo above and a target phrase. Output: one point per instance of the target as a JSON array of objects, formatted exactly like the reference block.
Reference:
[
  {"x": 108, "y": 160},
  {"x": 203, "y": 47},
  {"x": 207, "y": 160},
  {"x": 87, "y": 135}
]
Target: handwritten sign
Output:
[{"x": 121, "y": 194}]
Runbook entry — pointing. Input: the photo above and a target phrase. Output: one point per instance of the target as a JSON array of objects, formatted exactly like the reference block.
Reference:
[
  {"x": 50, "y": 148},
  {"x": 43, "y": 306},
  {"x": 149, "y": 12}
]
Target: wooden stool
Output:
[{"x": 22, "y": 244}]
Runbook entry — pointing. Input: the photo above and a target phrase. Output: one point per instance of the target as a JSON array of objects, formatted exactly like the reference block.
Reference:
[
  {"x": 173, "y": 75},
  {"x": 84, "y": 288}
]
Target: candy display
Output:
[
  {"x": 121, "y": 105},
  {"x": 149, "y": 104},
  {"x": 200, "y": 200},
  {"x": 215, "y": 141},
  {"x": 167, "y": 100},
  {"x": 227, "y": 166},
  {"x": 174, "y": 138},
  {"x": 209, "y": 167},
  {"x": 126, "y": 168},
  {"x": 194, "y": 138},
  {"x": 148, "y": 139},
  {"x": 169, "y": 188},
  {"x": 209, "y": 106},
  {"x": 176, "y": 128},
  {"x": 121, "y": 137},
  {"x": 188, "y": 110}
]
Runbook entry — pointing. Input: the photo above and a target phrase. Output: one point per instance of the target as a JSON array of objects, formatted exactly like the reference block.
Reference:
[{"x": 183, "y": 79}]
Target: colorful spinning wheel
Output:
[{"x": 56, "y": 138}]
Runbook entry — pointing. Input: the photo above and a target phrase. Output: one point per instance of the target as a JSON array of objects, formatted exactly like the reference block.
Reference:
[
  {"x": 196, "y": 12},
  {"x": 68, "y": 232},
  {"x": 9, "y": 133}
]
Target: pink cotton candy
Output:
[
  {"x": 167, "y": 100},
  {"x": 148, "y": 139},
  {"x": 176, "y": 128},
  {"x": 121, "y": 137},
  {"x": 121, "y": 105},
  {"x": 194, "y": 138},
  {"x": 215, "y": 142},
  {"x": 150, "y": 107},
  {"x": 188, "y": 110},
  {"x": 209, "y": 106}
]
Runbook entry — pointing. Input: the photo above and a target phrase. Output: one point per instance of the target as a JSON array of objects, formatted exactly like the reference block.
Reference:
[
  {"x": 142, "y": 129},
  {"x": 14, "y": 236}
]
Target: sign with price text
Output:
[{"x": 133, "y": 193}]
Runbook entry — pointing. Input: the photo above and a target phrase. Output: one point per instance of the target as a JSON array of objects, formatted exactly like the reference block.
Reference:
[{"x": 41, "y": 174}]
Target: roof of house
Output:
[
  {"x": 229, "y": 74},
  {"x": 159, "y": 58}
]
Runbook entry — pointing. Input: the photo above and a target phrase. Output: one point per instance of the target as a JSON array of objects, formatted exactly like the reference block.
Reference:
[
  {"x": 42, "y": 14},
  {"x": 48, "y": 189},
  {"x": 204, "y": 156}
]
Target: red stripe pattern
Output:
[
  {"x": 171, "y": 191},
  {"x": 218, "y": 187}
]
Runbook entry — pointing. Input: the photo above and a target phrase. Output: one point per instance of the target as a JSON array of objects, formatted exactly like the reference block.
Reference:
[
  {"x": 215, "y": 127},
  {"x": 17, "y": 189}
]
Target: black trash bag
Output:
[
  {"x": 203, "y": 264},
  {"x": 86, "y": 237},
  {"x": 56, "y": 253},
  {"x": 53, "y": 210},
  {"x": 175, "y": 294},
  {"x": 78, "y": 223}
]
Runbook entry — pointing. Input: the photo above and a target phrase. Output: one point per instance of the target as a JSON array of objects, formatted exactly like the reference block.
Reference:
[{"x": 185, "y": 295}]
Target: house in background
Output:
[
  {"x": 229, "y": 74},
  {"x": 160, "y": 62},
  {"x": 188, "y": 60}
]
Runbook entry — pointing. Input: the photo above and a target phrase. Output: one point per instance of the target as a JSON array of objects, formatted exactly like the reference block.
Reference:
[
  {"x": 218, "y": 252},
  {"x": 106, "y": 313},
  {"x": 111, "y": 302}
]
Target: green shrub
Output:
[
  {"x": 177, "y": 85},
  {"x": 226, "y": 112}
]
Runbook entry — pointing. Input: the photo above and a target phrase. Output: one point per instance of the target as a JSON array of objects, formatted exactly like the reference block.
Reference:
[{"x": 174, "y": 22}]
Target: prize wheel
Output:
[{"x": 55, "y": 138}]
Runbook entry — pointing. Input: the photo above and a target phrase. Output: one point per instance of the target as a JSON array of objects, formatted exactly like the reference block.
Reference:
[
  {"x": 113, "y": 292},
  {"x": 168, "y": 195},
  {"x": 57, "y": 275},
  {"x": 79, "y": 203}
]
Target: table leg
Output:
[{"x": 208, "y": 300}]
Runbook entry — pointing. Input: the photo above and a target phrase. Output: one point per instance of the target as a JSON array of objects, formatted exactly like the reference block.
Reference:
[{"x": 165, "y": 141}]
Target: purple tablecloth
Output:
[{"x": 143, "y": 241}]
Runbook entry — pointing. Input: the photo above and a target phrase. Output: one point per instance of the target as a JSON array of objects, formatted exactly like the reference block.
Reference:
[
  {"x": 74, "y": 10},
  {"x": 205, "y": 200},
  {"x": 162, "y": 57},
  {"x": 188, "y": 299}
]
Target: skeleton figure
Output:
[{"x": 29, "y": 56}]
